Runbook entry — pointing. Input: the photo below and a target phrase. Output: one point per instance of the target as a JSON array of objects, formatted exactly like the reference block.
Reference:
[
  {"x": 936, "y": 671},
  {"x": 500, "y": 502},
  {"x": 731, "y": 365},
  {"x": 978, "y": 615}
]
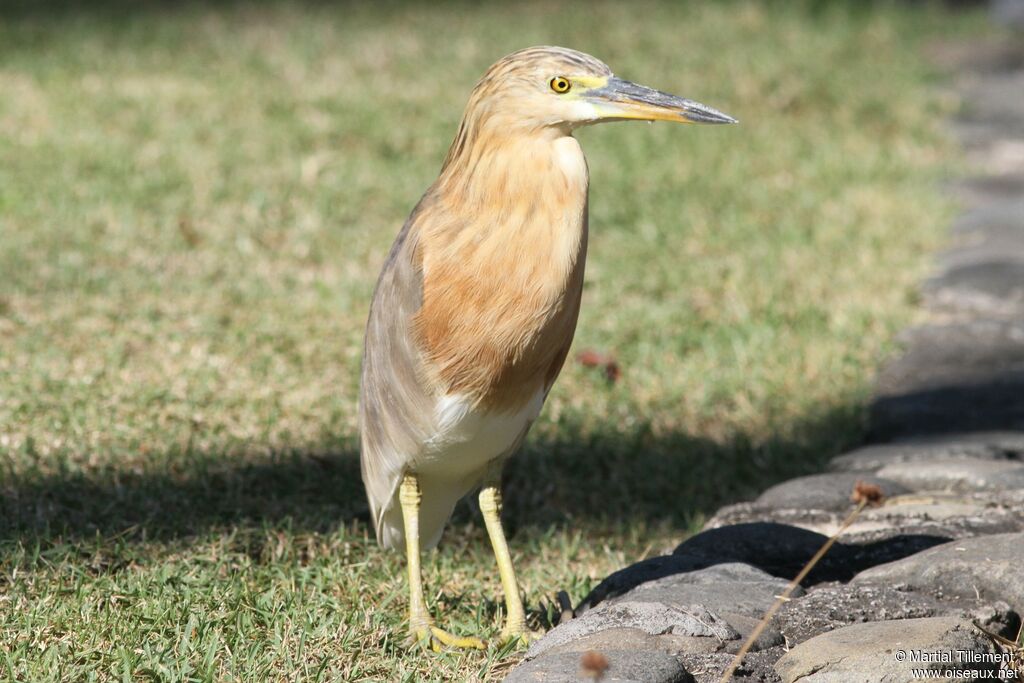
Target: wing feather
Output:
[{"x": 395, "y": 406}]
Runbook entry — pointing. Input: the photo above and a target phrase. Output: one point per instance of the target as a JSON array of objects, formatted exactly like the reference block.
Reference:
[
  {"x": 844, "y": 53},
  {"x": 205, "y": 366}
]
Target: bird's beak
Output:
[{"x": 622, "y": 100}]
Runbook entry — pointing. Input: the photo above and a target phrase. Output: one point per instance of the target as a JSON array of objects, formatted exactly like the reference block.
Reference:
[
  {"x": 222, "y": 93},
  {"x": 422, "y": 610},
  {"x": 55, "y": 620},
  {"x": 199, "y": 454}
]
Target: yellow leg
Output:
[
  {"x": 421, "y": 626},
  {"x": 515, "y": 622}
]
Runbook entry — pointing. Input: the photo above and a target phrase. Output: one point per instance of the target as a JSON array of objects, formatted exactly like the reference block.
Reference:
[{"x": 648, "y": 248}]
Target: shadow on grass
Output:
[
  {"x": 607, "y": 478},
  {"x": 613, "y": 476}
]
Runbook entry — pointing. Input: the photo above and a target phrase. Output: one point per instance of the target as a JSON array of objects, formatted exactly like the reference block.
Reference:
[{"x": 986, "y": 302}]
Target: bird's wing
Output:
[{"x": 395, "y": 408}]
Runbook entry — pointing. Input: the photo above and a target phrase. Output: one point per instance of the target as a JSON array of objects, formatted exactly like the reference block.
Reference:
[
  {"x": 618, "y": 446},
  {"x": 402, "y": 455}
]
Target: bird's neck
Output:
[
  {"x": 502, "y": 256},
  {"x": 513, "y": 189},
  {"x": 501, "y": 172}
]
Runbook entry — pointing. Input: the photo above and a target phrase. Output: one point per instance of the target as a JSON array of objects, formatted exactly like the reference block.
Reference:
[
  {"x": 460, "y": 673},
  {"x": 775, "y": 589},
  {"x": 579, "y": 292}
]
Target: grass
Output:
[{"x": 194, "y": 204}]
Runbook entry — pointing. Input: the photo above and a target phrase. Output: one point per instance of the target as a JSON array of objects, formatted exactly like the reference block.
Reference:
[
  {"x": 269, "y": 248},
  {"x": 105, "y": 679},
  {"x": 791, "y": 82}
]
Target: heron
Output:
[{"x": 477, "y": 302}]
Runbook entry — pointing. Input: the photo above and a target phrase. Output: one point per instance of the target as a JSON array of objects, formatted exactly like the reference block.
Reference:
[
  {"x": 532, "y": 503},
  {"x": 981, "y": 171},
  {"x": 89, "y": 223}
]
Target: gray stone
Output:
[
  {"x": 977, "y": 139},
  {"x": 976, "y": 445},
  {"x": 831, "y": 606},
  {"x": 1009, "y": 13},
  {"x": 988, "y": 567},
  {"x": 902, "y": 526},
  {"x": 757, "y": 667},
  {"x": 960, "y": 474},
  {"x": 1003, "y": 156},
  {"x": 737, "y": 593},
  {"x": 777, "y": 549},
  {"x": 633, "y": 639},
  {"x": 966, "y": 352},
  {"x": 650, "y": 617},
  {"x": 960, "y": 377},
  {"x": 990, "y": 287},
  {"x": 869, "y": 652},
  {"x": 982, "y": 190},
  {"x": 828, "y": 491},
  {"x": 731, "y": 587},
  {"x": 769, "y": 637},
  {"x": 1002, "y": 216},
  {"x": 945, "y": 515},
  {"x": 994, "y": 98},
  {"x": 809, "y": 521},
  {"x": 1010, "y": 442},
  {"x": 628, "y": 578},
  {"x": 780, "y": 542},
  {"x": 991, "y": 232},
  {"x": 981, "y": 56},
  {"x": 624, "y": 666}
]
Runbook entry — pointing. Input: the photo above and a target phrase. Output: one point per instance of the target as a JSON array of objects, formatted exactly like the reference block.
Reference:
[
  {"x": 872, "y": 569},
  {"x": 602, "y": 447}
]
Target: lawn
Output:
[{"x": 195, "y": 202}]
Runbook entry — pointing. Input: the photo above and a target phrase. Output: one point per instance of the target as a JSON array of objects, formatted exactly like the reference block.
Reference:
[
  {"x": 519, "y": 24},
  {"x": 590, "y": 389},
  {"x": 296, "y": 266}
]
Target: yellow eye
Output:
[{"x": 560, "y": 85}]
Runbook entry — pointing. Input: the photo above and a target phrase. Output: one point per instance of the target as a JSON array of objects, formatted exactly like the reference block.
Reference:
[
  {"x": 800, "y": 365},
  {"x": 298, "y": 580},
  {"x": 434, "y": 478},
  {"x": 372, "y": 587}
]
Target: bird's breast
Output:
[
  {"x": 467, "y": 436},
  {"x": 501, "y": 286}
]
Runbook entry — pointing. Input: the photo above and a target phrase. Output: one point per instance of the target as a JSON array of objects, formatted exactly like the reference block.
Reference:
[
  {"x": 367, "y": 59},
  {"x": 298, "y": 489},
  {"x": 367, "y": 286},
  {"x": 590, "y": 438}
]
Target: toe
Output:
[{"x": 440, "y": 637}]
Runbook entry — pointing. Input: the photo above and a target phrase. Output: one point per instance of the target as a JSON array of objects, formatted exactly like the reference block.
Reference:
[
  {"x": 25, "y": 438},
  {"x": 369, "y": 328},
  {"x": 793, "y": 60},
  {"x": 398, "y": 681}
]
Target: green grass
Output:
[{"x": 194, "y": 204}]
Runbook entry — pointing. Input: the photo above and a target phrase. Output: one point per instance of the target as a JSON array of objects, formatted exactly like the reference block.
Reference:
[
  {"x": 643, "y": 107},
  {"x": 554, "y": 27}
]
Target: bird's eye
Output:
[{"x": 560, "y": 85}]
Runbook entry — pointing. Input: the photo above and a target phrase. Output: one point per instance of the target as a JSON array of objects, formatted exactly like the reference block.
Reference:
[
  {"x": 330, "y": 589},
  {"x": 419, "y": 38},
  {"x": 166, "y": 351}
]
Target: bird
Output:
[{"x": 476, "y": 305}]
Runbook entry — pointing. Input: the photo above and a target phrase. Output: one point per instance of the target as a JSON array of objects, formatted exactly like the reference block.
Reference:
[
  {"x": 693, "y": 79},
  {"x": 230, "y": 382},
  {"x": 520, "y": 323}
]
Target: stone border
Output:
[{"x": 910, "y": 582}]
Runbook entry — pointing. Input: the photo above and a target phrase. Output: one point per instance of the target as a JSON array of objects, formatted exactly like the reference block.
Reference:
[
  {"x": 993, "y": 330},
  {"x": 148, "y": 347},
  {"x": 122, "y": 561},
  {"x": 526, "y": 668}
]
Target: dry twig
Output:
[{"x": 863, "y": 495}]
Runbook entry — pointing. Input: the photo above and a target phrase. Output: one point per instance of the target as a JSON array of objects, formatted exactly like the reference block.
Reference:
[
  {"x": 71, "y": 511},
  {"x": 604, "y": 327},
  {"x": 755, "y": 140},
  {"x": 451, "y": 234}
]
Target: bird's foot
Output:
[
  {"x": 438, "y": 639},
  {"x": 519, "y": 634}
]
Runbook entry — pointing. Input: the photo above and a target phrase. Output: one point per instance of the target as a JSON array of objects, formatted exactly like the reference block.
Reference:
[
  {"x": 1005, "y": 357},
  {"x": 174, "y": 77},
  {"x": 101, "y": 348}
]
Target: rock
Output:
[
  {"x": 998, "y": 618},
  {"x": 830, "y": 606},
  {"x": 988, "y": 567},
  {"x": 732, "y": 587},
  {"x": 782, "y": 550},
  {"x": 769, "y": 637},
  {"x": 976, "y": 445},
  {"x": 903, "y": 525},
  {"x": 624, "y": 665},
  {"x": 878, "y": 536},
  {"x": 957, "y": 475},
  {"x": 737, "y": 593},
  {"x": 994, "y": 286},
  {"x": 1010, "y": 442},
  {"x": 871, "y": 652},
  {"x": 986, "y": 189},
  {"x": 632, "y": 639},
  {"x": 994, "y": 231},
  {"x": 639, "y": 573},
  {"x": 994, "y": 98},
  {"x": 828, "y": 491},
  {"x": 1009, "y": 13},
  {"x": 777, "y": 549},
  {"x": 692, "y": 621},
  {"x": 757, "y": 667},
  {"x": 741, "y": 514},
  {"x": 959, "y": 377},
  {"x": 619, "y": 638},
  {"x": 939, "y": 516},
  {"x": 888, "y": 547}
]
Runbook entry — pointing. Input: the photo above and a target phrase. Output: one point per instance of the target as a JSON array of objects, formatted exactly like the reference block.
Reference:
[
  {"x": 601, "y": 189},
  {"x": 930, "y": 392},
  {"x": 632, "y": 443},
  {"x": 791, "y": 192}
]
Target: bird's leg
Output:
[
  {"x": 515, "y": 621},
  {"x": 421, "y": 626}
]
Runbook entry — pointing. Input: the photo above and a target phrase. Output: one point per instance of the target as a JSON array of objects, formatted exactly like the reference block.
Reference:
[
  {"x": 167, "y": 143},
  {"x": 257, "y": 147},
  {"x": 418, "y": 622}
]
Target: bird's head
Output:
[{"x": 554, "y": 87}]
